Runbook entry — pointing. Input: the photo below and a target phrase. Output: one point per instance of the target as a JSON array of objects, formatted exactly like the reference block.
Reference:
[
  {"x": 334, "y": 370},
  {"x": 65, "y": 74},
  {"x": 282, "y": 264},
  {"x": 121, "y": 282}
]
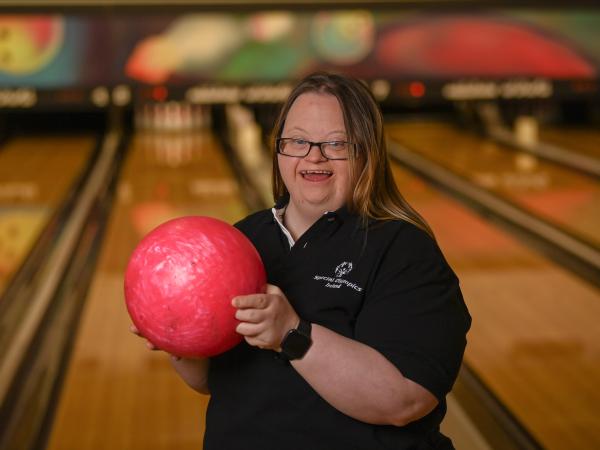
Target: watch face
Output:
[{"x": 295, "y": 344}]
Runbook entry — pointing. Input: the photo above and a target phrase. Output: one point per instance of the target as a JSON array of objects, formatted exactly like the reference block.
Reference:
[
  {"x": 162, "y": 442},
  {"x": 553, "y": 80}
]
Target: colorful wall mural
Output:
[
  {"x": 268, "y": 46},
  {"x": 40, "y": 50}
]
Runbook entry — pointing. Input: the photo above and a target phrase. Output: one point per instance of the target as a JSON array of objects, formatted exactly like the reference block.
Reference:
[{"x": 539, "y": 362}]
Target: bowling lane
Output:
[
  {"x": 564, "y": 197},
  {"x": 585, "y": 141},
  {"x": 36, "y": 174},
  {"x": 118, "y": 394},
  {"x": 534, "y": 340}
]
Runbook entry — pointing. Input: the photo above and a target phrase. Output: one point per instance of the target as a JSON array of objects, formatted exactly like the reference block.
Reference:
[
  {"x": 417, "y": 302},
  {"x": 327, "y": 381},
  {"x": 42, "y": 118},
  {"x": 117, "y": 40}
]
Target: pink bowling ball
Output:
[{"x": 180, "y": 281}]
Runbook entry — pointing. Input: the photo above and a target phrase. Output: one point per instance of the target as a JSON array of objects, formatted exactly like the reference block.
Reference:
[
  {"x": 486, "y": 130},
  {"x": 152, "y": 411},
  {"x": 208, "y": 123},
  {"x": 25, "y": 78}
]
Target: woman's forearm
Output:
[
  {"x": 194, "y": 372},
  {"x": 360, "y": 382}
]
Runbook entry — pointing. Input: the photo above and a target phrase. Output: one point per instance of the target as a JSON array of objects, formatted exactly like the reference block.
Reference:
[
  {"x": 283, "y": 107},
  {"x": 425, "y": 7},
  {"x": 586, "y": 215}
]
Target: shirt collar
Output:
[
  {"x": 278, "y": 215},
  {"x": 282, "y": 202}
]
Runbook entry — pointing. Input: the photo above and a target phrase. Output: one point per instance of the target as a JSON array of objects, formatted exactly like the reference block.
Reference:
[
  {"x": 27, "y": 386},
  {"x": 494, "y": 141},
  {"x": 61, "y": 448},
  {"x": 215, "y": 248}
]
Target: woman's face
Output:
[{"x": 314, "y": 181}]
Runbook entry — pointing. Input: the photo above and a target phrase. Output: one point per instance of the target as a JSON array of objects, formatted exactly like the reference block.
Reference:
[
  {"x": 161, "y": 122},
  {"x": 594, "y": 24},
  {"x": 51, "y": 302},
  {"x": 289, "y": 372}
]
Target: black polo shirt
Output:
[{"x": 386, "y": 285}]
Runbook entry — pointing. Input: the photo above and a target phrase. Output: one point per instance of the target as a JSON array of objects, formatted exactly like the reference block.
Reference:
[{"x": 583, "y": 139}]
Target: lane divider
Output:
[
  {"x": 51, "y": 275},
  {"x": 583, "y": 163},
  {"x": 562, "y": 240}
]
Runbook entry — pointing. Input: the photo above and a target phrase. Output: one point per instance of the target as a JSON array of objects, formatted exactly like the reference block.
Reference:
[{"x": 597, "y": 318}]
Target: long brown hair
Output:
[{"x": 375, "y": 194}]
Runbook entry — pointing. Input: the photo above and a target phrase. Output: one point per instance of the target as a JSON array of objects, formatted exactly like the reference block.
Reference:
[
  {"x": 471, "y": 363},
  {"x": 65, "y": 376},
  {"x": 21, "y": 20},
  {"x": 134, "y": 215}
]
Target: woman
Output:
[{"x": 361, "y": 331}]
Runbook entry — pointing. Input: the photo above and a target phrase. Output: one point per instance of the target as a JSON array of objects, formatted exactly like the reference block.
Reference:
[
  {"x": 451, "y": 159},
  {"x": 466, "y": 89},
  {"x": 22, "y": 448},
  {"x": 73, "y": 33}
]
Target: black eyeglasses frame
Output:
[{"x": 311, "y": 145}]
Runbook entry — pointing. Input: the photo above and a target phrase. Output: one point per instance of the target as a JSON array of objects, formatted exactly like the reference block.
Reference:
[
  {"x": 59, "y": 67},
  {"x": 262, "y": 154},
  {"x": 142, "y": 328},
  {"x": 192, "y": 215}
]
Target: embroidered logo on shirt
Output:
[
  {"x": 337, "y": 281},
  {"x": 343, "y": 269}
]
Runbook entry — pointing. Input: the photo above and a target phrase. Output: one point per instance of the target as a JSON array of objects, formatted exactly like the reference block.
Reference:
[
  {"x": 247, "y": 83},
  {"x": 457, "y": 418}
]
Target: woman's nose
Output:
[{"x": 315, "y": 154}]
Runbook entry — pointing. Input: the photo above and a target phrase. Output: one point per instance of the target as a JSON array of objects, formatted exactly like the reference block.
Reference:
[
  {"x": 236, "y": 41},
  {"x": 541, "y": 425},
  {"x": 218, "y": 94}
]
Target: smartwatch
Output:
[{"x": 297, "y": 341}]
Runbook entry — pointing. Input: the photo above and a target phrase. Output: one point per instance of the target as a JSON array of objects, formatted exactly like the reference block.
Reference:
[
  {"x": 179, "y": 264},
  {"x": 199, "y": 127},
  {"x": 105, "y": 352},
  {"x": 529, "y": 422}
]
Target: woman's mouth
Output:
[{"x": 316, "y": 175}]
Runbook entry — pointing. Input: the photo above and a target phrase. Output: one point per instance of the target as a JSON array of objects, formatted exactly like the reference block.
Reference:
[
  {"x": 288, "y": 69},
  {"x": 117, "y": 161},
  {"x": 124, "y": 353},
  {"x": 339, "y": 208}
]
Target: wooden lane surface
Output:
[
  {"x": 562, "y": 196},
  {"x": 535, "y": 341},
  {"x": 118, "y": 394},
  {"x": 35, "y": 176},
  {"x": 576, "y": 139}
]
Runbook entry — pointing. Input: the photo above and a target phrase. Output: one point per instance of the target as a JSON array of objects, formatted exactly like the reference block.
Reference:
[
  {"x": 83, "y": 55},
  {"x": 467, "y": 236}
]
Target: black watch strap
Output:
[
  {"x": 305, "y": 328},
  {"x": 297, "y": 341}
]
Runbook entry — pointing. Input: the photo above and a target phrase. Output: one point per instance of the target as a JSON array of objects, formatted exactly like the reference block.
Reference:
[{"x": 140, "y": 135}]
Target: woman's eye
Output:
[{"x": 299, "y": 141}]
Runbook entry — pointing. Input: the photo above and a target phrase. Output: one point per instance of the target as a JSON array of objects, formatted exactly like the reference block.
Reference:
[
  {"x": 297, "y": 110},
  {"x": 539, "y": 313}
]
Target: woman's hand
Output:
[
  {"x": 149, "y": 344},
  {"x": 265, "y": 318},
  {"x": 194, "y": 371}
]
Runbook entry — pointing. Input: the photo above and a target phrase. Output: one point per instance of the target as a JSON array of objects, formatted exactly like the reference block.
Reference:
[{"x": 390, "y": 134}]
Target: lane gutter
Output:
[
  {"x": 41, "y": 304},
  {"x": 574, "y": 254},
  {"x": 583, "y": 163}
]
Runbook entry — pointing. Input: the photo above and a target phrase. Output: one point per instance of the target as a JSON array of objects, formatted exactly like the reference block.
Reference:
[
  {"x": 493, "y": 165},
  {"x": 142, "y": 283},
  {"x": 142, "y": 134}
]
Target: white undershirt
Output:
[{"x": 278, "y": 214}]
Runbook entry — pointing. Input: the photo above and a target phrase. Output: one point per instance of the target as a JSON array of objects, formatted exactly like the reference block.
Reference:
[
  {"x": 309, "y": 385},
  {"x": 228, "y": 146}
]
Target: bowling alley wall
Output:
[{"x": 406, "y": 53}]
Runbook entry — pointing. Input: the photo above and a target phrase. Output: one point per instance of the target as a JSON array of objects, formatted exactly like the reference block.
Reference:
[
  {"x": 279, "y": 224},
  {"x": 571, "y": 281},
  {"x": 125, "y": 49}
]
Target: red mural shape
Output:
[{"x": 470, "y": 46}]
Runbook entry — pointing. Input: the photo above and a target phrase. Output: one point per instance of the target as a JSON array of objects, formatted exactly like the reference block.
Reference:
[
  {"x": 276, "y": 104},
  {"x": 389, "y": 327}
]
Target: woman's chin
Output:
[{"x": 326, "y": 203}]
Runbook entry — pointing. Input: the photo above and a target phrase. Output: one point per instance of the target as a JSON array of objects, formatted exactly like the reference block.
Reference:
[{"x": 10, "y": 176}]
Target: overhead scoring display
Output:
[{"x": 270, "y": 47}]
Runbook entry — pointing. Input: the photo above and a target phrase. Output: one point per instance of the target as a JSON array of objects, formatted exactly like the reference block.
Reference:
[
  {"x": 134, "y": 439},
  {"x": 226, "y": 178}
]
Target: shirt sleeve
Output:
[{"x": 414, "y": 313}]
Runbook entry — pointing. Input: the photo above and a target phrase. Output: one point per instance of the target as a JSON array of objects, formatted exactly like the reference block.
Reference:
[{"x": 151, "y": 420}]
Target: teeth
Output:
[{"x": 326, "y": 172}]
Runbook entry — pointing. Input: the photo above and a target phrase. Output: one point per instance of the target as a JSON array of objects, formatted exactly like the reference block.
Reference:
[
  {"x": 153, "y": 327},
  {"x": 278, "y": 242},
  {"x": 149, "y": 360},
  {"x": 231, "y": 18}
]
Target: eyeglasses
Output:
[{"x": 299, "y": 148}]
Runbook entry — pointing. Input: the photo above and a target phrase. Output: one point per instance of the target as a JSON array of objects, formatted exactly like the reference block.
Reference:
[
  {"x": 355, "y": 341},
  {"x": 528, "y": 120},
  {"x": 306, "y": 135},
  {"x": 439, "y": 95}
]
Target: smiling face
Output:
[{"x": 315, "y": 183}]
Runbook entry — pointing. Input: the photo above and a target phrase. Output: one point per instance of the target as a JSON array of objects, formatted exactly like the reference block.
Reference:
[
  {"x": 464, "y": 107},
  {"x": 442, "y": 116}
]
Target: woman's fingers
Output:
[
  {"x": 249, "y": 329},
  {"x": 249, "y": 315},
  {"x": 272, "y": 289},
  {"x": 149, "y": 344},
  {"x": 256, "y": 301}
]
